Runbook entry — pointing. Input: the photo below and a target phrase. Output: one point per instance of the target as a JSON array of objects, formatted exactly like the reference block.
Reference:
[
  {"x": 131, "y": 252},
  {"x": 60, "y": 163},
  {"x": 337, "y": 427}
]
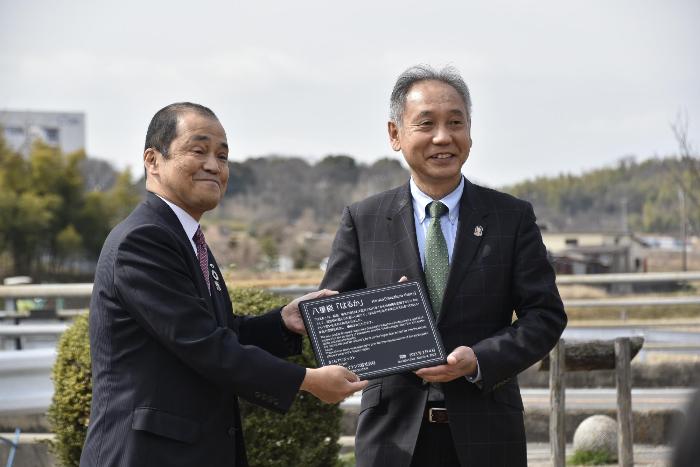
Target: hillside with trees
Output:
[
  {"x": 56, "y": 209},
  {"x": 644, "y": 197},
  {"x": 285, "y": 207}
]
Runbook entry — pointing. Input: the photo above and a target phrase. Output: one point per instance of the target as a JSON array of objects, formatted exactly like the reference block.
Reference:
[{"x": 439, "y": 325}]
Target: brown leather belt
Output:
[{"x": 436, "y": 415}]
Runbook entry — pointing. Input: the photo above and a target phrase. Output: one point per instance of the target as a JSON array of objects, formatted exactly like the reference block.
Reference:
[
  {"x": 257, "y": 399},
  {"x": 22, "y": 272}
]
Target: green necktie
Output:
[{"x": 437, "y": 262}]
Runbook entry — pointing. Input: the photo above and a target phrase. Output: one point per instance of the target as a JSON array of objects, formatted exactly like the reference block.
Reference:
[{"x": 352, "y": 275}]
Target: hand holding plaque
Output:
[{"x": 374, "y": 332}]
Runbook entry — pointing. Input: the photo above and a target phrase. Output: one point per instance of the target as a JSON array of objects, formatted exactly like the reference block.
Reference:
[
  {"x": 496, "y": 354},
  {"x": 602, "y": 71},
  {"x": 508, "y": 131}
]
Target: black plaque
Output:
[{"x": 374, "y": 332}]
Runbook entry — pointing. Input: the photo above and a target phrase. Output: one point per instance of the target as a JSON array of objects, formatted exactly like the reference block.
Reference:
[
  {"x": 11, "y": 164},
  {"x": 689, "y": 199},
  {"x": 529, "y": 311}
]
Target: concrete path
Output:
[
  {"x": 33, "y": 452},
  {"x": 658, "y": 456},
  {"x": 538, "y": 453}
]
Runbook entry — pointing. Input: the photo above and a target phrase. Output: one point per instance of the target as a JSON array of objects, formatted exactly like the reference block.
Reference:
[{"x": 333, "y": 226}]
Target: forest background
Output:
[{"x": 281, "y": 212}]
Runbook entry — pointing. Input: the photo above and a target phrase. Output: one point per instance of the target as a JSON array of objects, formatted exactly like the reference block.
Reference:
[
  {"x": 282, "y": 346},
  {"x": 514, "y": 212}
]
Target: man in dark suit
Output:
[
  {"x": 169, "y": 358},
  {"x": 480, "y": 256}
]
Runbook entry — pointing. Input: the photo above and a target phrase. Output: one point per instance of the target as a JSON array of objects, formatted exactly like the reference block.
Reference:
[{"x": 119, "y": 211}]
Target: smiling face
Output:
[
  {"x": 434, "y": 136},
  {"x": 195, "y": 174}
]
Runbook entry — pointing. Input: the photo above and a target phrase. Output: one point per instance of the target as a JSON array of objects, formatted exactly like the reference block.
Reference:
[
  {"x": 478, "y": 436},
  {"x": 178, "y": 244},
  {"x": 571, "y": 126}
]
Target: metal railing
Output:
[
  {"x": 628, "y": 278},
  {"x": 626, "y": 302},
  {"x": 12, "y": 292},
  {"x": 25, "y": 380}
]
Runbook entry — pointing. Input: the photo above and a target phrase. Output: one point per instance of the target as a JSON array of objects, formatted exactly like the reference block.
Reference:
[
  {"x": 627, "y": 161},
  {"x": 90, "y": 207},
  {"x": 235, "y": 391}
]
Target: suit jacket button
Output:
[{"x": 232, "y": 431}]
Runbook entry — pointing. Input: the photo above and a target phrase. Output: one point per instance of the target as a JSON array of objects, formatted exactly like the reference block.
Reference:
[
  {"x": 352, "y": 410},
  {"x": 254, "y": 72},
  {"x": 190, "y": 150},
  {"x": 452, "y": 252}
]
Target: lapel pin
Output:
[{"x": 478, "y": 231}]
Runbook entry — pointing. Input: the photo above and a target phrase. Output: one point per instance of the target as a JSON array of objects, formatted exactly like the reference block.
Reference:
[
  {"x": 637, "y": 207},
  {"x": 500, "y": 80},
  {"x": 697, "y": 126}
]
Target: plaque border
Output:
[{"x": 314, "y": 339}]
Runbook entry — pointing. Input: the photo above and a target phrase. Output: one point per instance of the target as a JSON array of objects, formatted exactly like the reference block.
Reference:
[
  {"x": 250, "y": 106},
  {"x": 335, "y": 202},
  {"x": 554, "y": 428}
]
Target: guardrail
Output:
[
  {"x": 631, "y": 302},
  {"x": 85, "y": 289},
  {"x": 25, "y": 380},
  {"x": 583, "y": 279},
  {"x": 628, "y": 278},
  {"x": 14, "y": 330},
  {"x": 18, "y": 332},
  {"x": 12, "y": 292}
]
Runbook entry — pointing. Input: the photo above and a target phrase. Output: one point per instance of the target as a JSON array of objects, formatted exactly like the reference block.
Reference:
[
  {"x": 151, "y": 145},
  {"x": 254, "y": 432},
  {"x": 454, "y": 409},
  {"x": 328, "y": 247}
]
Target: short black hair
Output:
[{"x": 163, "y": 127}]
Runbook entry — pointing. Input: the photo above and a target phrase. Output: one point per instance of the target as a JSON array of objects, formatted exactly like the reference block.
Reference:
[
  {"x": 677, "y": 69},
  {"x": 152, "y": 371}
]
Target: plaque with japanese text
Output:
[{"x": 374, "y": 332}]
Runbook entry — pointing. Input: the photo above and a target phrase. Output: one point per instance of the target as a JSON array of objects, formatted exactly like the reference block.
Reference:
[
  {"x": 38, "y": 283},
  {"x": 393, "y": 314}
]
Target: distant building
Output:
[
  {"x": 65, "y": 130},
  {"x": 596, "y": 252}
]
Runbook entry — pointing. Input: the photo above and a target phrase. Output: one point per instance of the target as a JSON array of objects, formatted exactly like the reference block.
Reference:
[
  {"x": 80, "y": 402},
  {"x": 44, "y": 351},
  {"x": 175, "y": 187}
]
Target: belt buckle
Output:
[{"x": 437, "y": 415}]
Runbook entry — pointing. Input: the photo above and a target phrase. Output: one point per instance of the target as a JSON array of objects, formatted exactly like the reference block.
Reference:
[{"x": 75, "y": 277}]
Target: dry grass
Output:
[
  {"x": 652, "y": 358},
  {"x": 662, "y": 261},
  {"x": 581, "y": 291},
  {"x": 304, "y": 277}
]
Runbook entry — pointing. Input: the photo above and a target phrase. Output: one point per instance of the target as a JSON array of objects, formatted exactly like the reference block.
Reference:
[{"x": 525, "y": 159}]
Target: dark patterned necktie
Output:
[
  {"x": 201, "y": 245},
  {"x": 437, "y": 261}
]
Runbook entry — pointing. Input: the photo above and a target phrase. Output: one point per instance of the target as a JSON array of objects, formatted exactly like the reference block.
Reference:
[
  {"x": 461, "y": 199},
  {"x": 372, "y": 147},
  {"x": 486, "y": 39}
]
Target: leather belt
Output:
[{"x": 436, "y": 415}]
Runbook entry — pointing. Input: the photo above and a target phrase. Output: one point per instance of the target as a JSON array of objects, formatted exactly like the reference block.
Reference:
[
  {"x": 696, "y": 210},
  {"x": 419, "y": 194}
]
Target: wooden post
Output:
[
  {"x": 623, "y": 379},
  {"x": 557, "y": 393}
]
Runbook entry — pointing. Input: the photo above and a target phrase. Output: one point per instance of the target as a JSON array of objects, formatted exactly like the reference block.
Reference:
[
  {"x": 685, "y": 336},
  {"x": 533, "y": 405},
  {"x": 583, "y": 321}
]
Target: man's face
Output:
[
  {"x": 195, "y": 174},
  {"x": 434, "y": 136}
]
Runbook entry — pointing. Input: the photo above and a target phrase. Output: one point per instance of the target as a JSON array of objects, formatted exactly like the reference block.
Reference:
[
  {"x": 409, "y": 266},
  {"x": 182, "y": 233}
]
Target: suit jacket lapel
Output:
[
  {"x": 218, "y": 290},
  {"x": 403, "y": 233},
  {"x": 472, "y": 226}
]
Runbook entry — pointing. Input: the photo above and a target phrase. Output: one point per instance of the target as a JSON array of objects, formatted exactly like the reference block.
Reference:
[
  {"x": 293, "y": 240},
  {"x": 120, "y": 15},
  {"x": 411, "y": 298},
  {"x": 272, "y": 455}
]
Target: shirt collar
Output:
[
  {"x": 188, "y": 223},
  {"x": 421, "y": 201}
]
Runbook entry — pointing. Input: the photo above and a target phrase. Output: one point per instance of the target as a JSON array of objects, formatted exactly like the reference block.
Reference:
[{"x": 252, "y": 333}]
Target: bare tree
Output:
[{"x": 687, "y": 172}]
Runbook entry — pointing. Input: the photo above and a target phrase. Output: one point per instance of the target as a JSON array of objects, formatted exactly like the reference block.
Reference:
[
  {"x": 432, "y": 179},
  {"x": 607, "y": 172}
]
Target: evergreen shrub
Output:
[
  {"x": 69, "y": 411},
  {"x": 306, "y": 436}
]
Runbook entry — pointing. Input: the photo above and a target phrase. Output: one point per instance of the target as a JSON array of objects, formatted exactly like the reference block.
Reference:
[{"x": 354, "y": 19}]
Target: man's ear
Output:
[
  {"x": 150, "y": 161},
  {"x": 469, "y": 131},
  {"x": 394, "y": 136}
]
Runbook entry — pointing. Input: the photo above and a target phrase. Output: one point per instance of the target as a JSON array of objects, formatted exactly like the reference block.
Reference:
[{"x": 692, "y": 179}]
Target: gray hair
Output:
[{"x": 448, "y": 75}]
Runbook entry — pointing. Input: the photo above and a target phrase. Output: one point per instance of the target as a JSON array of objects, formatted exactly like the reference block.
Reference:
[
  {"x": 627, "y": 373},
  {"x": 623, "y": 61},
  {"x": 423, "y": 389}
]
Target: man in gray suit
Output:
[
  {"x": 169, "y": 358},
  {"x": 480, "y": 256}
]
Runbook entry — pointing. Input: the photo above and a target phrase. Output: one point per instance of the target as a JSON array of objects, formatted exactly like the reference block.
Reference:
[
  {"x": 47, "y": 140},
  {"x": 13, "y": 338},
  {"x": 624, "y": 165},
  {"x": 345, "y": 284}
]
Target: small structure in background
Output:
[
  {"x": 65, "y": 130},
  {"x": 596, "y": 252}
]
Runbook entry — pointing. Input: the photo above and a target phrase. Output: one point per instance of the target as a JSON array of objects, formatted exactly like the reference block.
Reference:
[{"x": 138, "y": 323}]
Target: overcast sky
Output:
[{"x": 556, "y": 86}]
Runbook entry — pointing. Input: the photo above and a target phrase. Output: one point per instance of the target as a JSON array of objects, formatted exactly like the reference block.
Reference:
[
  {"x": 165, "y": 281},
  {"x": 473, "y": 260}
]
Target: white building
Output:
[
  {"x": 596, "y": 252},
  {"x": 65, "y": 130}
]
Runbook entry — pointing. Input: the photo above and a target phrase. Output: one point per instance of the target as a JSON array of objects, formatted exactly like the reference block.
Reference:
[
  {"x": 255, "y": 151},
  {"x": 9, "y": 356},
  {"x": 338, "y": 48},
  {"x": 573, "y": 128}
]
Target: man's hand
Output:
[
  {"x": 461, "y": 362},
  {"x": 292, "y": 317},
  {"x": 331, "y": 383}
]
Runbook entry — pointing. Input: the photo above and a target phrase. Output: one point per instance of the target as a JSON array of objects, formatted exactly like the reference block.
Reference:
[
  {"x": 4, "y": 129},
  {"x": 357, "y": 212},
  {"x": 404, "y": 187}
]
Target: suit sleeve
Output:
[
  {"x": 153, "y": 282},
  {"x": 344, "y": 271},
  {"x": 536, "y": 301},
  {"x": 269, "y": 333}
]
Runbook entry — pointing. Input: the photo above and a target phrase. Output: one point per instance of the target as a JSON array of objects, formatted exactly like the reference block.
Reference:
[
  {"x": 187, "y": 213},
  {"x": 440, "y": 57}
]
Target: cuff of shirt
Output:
[{"x": 477, "y": 377}]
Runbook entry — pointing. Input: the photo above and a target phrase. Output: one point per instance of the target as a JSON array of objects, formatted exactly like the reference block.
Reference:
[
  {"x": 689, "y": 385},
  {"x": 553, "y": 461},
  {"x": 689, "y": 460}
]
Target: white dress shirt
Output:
[
  {"x": 448, "y": 223},
  {"x": 188, "y": 223}
]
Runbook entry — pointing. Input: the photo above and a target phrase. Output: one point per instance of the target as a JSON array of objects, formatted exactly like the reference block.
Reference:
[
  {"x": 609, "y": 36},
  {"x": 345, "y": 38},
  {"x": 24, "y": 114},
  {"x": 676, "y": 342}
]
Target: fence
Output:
[{"x": 12, "y": 292}]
